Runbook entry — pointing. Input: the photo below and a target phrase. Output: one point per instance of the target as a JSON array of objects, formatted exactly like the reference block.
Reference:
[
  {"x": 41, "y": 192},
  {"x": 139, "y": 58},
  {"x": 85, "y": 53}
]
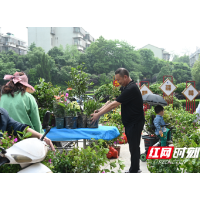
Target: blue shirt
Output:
[
  {"x": 9, "y": 124},
  {"x": 157, "y": 122}
]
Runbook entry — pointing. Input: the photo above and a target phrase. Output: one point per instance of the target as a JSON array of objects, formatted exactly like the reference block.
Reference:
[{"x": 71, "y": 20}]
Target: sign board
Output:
[
  {"x": 190, "y": 92},
  {"x": 167, "y": 87},
  {"x": 115, "y": 83},
  {"x": 145, "y": 90}
]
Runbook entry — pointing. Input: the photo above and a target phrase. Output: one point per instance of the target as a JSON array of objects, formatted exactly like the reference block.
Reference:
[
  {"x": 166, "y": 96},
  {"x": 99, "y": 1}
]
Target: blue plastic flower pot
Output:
[
  {"x": 59, "y": 123},
  {"x": 71, "y": 122}
]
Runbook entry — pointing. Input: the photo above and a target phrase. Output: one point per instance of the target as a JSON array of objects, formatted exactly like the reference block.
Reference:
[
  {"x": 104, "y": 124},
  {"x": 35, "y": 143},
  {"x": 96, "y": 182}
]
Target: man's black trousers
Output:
[{"x": 133, "y": 133}]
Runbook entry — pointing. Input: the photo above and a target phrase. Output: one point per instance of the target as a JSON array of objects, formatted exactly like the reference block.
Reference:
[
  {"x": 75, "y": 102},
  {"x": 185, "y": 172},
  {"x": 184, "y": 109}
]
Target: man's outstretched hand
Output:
[{"x": 95, "y": 117}]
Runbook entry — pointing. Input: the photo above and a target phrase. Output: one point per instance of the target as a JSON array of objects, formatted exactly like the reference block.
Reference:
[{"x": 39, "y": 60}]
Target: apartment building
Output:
[
  {"x": 193, "y": 57},
  {"x": 158, "y": 52},
  {"x": 9, "y": 42},
  {"x": 49, "y": 37}
]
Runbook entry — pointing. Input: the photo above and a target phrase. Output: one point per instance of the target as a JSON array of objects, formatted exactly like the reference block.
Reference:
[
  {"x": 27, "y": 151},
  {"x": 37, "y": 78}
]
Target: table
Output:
[{"x": 102, "y": 132}]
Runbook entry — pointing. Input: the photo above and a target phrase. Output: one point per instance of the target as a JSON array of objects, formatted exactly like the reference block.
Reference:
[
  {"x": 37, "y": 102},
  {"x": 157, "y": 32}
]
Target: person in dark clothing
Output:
[
  {"x": 132, "y": 114},
  {"x": 10, "y": 125}
]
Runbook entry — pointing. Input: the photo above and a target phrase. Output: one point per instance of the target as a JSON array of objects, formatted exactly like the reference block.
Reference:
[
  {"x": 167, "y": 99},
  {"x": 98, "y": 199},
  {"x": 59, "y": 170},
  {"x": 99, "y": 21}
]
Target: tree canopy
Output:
[{"x": 104, "y": 56}]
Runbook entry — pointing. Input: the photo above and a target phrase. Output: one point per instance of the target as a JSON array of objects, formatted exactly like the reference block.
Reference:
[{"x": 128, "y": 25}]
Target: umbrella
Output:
[{"x": 154, "y": 99}]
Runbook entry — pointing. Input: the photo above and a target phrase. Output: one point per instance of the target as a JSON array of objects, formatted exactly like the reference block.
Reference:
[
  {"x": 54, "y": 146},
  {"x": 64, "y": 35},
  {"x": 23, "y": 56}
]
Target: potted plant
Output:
[
  {"x": 80, "y": 82},
  {"x": 89, "y": 107},
  {"x": 71, "y": 110},
  {"x": 58, "y": 110}
]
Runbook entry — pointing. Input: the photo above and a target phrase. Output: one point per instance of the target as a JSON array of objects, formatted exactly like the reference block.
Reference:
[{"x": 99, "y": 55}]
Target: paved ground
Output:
[{"x": 125, "y": 156}]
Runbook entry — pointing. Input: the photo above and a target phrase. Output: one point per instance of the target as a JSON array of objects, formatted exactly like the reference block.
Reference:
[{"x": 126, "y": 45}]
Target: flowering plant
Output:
[
  {"x": 59, "y": 104},
  {"x": 72, "y": 108}
]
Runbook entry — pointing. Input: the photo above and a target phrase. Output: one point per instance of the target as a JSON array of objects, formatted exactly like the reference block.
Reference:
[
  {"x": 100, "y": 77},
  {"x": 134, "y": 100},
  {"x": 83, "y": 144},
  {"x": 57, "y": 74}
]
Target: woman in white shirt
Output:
[{"x": 198, "y": 114}]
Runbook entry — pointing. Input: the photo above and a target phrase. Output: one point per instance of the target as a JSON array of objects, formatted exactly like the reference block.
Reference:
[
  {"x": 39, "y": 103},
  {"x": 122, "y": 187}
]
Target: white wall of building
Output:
[
  {"x": 64, "y": 36},
  {"x": 157, "y": 51},
  {"x": 41, "y": 36}
]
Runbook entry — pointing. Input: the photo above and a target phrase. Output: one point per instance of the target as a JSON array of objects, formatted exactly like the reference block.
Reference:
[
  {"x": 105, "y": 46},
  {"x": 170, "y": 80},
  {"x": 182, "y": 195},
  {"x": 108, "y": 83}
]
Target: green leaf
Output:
[{"x": 29, "y": 134}]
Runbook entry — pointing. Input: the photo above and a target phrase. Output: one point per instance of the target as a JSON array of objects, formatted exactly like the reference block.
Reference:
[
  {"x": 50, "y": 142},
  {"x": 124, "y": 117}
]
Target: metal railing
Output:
[
  {"x": 79, "y": 30},
  {"x": 80, "y": 42}
]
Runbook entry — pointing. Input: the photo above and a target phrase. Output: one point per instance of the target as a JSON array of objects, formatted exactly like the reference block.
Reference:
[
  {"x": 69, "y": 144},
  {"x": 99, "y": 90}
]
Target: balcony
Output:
[
  {"x": 79, "y": 30},
  {"x": 79, "y": 42},
  {"x": 52, "y": 31},
  {"x": 89, "y": 37},
  {"x": 87, "y": 45}
]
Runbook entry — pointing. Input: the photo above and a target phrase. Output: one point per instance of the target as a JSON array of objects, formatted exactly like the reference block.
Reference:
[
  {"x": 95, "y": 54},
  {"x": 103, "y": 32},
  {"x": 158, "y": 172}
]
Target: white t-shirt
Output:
[{"x": 198, "y": 112}]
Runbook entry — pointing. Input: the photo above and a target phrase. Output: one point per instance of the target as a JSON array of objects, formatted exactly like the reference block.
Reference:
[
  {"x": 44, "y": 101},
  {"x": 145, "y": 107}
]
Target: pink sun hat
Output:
[{"x": 16, "y": 78}]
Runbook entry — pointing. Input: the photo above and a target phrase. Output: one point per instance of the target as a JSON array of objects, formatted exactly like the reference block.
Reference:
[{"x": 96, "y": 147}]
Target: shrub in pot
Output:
[
  {"x": 89, "y": 107},
  {"x": 59, "y": 111},
  {"x": 71, "y": 110}
]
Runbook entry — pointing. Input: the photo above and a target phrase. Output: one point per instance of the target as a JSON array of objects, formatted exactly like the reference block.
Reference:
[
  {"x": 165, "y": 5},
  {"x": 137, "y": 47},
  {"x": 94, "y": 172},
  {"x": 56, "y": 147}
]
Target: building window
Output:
[
  {"x": 76, "y": 41},
  {"x": 76, "y": 29}
]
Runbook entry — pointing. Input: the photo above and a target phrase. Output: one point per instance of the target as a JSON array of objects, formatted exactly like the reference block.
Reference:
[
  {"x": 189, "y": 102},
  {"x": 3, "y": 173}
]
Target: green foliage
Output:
[
  {"x": 114, "y": 119},
  {"x": 135, "y": 75},
  {"x": 196, "y": 71},
  {"x": 23, "y": 135},
  {"x": 176, "y": 103},
  {"x": 79, "y": 82},
  {"x": 182, "y": 59},
  {"x": 103, "y": 91},
  {"x": 164, "y": 166},
  {"x": 147, "y": 62},
  {"x": 90, "y": 106},
  {"x": 32, "y": 46},
  {"x": 184, "y": 135},
  {"x": 103, "y": 56},
  {"x": 155, "y": 88},
  {"x": 181, "y": 72},
  {"x": 89, "y": 160},
  {"x": 183, "y": 102},
  {"x": 58, "y": 109},
  {"x": 44, "y": 68},
  {"x": 166, "y": 70},
  {"x": 6, "y": 68},
  {"x": 103, "y": 79},
  {"x": 106, "y": 90},
  {"x": 44, "y": 96},
  {"x": 180, "y": 88}
]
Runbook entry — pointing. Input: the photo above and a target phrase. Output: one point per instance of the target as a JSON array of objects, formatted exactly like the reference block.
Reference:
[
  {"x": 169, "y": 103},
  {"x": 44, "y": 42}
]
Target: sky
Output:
[{"x": 176, "y": 40}]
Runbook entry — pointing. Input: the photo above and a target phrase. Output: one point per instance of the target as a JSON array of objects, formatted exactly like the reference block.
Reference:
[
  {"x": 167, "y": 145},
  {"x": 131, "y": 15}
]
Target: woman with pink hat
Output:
[{"x": 19, "y": 103}]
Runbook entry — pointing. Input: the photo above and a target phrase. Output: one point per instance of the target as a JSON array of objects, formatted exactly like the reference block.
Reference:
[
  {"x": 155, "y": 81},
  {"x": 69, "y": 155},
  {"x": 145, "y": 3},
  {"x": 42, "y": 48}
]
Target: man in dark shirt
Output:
[{"x": 132, "y": 114}]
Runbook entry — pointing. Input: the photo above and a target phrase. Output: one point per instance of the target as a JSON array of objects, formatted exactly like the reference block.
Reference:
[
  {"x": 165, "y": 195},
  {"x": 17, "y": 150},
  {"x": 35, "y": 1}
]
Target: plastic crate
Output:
[{"x": 149, "y": 141}]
